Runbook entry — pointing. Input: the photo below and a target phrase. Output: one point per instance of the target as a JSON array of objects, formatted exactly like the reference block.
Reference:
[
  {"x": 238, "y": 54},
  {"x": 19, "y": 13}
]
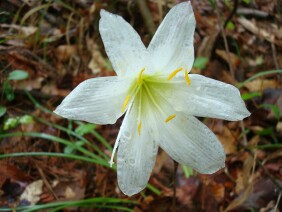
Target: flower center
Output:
[{"x": 142, "y": 94}]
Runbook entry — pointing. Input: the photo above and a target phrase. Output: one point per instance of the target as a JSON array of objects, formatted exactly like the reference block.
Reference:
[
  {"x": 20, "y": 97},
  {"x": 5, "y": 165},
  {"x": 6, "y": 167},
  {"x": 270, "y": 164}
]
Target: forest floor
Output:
[{"x": 49, "y": 163}]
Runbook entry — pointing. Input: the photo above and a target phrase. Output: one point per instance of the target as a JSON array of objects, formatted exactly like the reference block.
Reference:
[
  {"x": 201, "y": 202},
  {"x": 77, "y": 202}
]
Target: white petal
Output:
[
  {"x": 184, "y": 138},
  {"x": 205, "y": 97},
  {"x": 97, "y": 100},
  {"x": 122, "y": 43},
  {"x": 190, "y": 142},
  {"x": 172, "y": 45},
  {"x": 137, "y": 153}
]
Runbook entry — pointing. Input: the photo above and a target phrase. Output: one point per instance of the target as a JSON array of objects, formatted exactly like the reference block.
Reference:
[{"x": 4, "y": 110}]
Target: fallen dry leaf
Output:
[
  {"x": 64, "y": 52},
  {"x": 25, "y": 30},
  {"x": 279, "y": 127},
  {"x": 234, "y": 60},
  {"x": 261, "y": 84},
  {"x": 205, "y": 48},
  {"x": 249, "y": 25},
  {"x": 32, "y": 192},
  {"x": 238, "y": 201},
  {"x": 228, "y": 140},
  {"x": 97, "y": 62}
]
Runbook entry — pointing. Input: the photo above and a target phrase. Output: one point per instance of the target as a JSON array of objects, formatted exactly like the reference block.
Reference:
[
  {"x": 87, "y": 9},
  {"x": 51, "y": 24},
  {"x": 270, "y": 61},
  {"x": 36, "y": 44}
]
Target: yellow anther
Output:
[
  {"x": 125, "y": 103},
  {"x": 174, "y": 73},
  {"x": 139, "y": 127},
  {"x": 187, "y": 78},
  {"x": 140, "y": 75},
  {"x": 170, "y": 117}
]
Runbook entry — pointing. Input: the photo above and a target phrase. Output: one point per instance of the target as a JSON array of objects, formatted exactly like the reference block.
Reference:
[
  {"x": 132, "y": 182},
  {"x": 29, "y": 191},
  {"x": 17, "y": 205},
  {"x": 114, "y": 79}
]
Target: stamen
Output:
[
  {"x": 174, "y": 73},
  {"x": 140, "y": 75},
  {"x": 111, "y": 162},
  {"x": 187, "y": 78},
  {"x": 170, "y": 117},
  {"x": 125, "y": 103},
  {"x": 139, "y": 127}
]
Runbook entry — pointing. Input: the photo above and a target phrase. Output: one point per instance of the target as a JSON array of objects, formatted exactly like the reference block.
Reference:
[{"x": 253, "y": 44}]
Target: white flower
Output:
[{"x": 158, "y": 97}]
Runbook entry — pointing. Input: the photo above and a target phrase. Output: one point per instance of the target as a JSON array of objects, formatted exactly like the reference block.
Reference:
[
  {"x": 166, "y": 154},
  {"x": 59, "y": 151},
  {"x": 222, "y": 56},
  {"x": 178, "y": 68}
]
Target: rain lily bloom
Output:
[{"x": 159, "y": 98}]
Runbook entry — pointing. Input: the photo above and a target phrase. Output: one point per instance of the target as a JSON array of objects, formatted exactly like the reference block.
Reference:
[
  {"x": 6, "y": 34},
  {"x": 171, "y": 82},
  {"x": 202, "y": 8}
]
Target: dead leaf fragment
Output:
[
  {"x": 65, "y": 52},
  {"x": 25, "y": 30},
  {"x": 97, "y": 62},
  {"x": 205, "y": 48},
  {"x": 260, "y": 84},
  {"x": 228, "y": 141},
  {"x": 218, "y": 191},
  {"x": 279, "y": 127},
  {"x": 238, "y": 201},
  {"x": 234, "y": 60},
  {"x": 249, "y": 25},
  {"x": 32, "y": 192}
]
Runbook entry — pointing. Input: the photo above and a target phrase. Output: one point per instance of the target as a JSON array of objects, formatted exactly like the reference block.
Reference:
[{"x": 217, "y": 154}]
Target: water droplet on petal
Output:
[
  {"x": 127, "y": 135},
  {"x": 131, "y": 161},
  {"x": 121, "y": 185}
]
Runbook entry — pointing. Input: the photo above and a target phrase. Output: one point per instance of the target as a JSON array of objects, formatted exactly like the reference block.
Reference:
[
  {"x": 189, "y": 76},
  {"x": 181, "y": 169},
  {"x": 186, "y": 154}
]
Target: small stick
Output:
[
  {"x": 277, "y": 203},
  {"x": 263, "y": 167},
  {"x": 274, "y": 55},
  {"x": 46, "y": 182},
  {"x": 233, "y": 12},
  {"x": 245, "y": 140},
  {"x": 174, "y": 185},
  {"x": 147, "y": 16},
  {"x": 225, "y": 42}
]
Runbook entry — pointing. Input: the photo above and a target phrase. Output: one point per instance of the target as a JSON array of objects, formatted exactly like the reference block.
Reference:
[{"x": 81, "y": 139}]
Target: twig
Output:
[
  {"x": 160, "y": 9},
  {"x": 245, "y": 140},
  {"x": 46, "y": 182},
  {"x": 269, "y": 175},
  {"x": 35, "y": 93},
  {"x": 130, "y": 11},
  {"x": 277, "y": 203},
  {"x": 274, "y": 55},
  {"x": 174, "y": 186},
  {"x": 233, "y": 12},
  {"x": 264, "y": 169},
  {"x": 147, "y": 16},
  {"x": 225, "y": 42},
  {"x": 23, "y": 54},
  {"x": 263, "y": 33},
  {"x": 253, "y": 12}
]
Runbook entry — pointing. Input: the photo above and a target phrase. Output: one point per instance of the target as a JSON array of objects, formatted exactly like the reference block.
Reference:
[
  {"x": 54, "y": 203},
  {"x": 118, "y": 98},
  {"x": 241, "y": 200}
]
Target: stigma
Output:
[{"x": 139, "y": 80}]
